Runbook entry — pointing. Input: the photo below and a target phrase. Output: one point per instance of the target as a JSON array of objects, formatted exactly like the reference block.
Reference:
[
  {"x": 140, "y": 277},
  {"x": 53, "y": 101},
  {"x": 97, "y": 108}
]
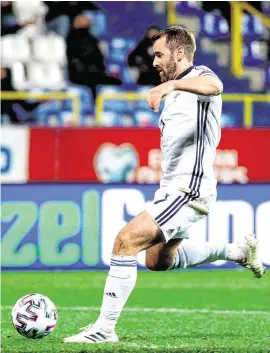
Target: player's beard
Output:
[{"x": 170, "y": 72}]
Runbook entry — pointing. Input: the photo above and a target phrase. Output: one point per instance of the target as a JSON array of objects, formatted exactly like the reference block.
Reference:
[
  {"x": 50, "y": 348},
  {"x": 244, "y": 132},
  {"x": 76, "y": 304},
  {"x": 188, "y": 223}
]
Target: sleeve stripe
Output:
[{"x": 208, "y": 74}]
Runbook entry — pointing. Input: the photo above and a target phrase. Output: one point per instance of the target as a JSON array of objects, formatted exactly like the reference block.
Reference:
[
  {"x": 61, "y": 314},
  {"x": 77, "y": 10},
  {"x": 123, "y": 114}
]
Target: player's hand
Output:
[{"x": 155, "y": 94}]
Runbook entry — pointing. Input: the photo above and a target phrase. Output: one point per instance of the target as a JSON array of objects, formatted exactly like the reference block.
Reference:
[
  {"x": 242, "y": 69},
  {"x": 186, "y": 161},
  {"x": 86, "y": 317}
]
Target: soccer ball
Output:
[{"x": 34, "y": 316}]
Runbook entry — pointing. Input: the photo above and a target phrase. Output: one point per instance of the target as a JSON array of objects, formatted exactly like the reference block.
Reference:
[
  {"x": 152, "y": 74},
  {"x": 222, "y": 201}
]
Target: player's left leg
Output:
[
  {"x": 162, "y": 257},
  {"x": 181, "y": 214},
  {"x": 183, "y": 253}
]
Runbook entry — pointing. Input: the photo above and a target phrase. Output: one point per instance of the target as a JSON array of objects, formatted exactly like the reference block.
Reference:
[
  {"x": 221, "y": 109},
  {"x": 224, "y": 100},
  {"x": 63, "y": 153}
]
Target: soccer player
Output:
[{"x": 190, "y": 133}]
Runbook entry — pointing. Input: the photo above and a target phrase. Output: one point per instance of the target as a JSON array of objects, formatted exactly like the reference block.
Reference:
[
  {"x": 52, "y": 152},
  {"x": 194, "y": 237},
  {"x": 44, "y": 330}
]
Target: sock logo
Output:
[{"x": 111, "y": 294}]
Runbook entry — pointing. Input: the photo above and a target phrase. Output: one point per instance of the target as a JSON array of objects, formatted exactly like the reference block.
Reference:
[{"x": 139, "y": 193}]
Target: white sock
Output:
[
  {"x": 119, "y": 284},
  {"x": 191, "y": 254}
]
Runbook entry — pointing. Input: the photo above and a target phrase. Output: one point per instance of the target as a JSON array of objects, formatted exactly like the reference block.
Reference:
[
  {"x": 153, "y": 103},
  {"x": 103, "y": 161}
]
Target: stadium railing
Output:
[
  {"x": 237, "y": 11},
  {"x": 246, "y": 99},
  {"x": 9, "y": 95}
]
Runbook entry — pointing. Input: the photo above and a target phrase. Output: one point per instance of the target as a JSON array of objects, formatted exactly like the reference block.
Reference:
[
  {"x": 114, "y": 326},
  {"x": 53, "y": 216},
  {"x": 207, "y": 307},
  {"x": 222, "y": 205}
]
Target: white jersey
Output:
[{"x": 190, "y": 133}]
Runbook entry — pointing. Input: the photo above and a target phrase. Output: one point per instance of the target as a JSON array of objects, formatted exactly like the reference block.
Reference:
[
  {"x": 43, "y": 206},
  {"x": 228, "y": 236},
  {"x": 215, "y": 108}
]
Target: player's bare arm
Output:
[{"x": 203, "y": 85}]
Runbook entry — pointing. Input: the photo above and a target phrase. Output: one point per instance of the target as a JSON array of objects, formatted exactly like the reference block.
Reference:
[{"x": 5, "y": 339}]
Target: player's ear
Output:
[{"x": 180, "y": 53}]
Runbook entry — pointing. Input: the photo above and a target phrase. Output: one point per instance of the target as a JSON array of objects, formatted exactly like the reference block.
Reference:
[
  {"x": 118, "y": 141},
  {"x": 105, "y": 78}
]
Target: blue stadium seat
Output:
[
  {"x": 142, "y": 104},
  {"x": 127, "y": 113},
  {"x": 22, "y": 114},
  {"x": 119, "y": 48},
  {"x": 261, "y": 114},
  {"x": 214, "y": 26},
  {"x": 253, "y": 55},
  {"x": 252, "y": 28},
  {"x": 265, "y": 8},
  {"x": 190, "y": 8},
  {"x": 112, "y": 105},
  {"x": 126, "y": 76},
  {"x": 267, "y": 79},
  {"x": 206, "y": 58},
  {"x": 99, "y": 25},
  {"x": 122, "y": 17},
  {"x": 87, "y": 104},
  {"x": 232, "y": 114},
  {"x": 145, "y": 118},
  {"x": 37, "y": 91},
  {"x": 232, "y": 85},
  {"x": 120, "y": 71},
  {"x": 113, "y": 68},
  {"x": 59, "y": 112},
  {"x": 85, "y": 96},
  {"x": 111, "y": 118},
  {"x": 48, "y": 115}
]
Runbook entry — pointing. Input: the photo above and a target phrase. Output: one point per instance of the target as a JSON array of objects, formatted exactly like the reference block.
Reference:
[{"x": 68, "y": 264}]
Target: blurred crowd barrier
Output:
[{"x": 121, "y": 107}]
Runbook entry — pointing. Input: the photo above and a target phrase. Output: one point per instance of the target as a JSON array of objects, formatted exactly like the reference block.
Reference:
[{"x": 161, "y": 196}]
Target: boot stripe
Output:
[
  {"x": 94, "y": 336},
  {"x": 91, "y": 339},
  {"x": 101, "y": 335}
]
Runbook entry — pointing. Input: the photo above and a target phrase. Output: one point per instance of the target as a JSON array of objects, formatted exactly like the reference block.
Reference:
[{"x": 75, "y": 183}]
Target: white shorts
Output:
[{"x": 175, "y": 211}]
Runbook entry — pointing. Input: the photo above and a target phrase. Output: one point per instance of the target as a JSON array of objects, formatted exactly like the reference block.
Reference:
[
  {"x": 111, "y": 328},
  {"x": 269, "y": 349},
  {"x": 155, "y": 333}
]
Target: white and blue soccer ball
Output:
[{"x": 34, "y": 316}]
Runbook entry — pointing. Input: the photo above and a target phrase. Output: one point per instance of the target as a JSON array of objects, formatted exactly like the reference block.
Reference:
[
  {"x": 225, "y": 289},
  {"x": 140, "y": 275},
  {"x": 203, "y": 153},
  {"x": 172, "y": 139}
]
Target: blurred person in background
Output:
[
  {"x": 10, "y": 24},
  {"x": 75, "y": 8},
  {"x": 85, "y": 59},
  {"x": 141, "y": 59},
  {"x": 18, "y": 111},
  {"x": 61, "y": 14},
  {"x": 6, "y": 105},
  {"x": 31, "y": 14}
]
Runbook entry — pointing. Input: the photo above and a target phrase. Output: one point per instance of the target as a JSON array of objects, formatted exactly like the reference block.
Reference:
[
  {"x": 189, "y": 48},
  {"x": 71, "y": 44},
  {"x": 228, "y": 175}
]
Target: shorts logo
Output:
[
  {"x": 161, "y": 200},
  {"x": 111, "y": 294}
]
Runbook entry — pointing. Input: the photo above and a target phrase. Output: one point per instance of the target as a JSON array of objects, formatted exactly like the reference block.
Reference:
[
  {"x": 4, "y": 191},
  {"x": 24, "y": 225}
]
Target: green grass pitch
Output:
[{"x": 187, "y": 311}]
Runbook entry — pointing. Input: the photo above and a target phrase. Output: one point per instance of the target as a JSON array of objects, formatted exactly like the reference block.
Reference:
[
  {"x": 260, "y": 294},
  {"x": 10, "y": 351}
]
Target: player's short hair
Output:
[{"x": 176, "y": 36}]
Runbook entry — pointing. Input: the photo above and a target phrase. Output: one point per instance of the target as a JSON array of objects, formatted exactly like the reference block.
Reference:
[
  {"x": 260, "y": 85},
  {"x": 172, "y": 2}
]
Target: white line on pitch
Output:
[{"x": 163, "y": 310}]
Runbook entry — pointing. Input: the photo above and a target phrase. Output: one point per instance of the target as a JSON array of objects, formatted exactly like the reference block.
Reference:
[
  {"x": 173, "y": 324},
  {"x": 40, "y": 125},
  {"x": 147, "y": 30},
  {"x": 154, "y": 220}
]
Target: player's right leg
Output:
[{"x": 139, "y": 234}]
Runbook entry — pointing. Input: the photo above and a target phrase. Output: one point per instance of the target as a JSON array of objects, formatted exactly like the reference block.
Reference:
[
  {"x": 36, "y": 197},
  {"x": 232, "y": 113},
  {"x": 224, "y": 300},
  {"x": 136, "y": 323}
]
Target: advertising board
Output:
[
  {"x": 73, "y": 226},
  {"x": 14, "y": 154},
  {"x": 132, "y": 155}
]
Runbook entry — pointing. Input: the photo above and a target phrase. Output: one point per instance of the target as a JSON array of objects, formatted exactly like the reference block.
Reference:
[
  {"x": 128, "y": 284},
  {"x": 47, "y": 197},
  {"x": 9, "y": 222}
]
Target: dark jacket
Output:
[
  {"x": 83, "y": 53},
  {"x": 142, "y": 58}
]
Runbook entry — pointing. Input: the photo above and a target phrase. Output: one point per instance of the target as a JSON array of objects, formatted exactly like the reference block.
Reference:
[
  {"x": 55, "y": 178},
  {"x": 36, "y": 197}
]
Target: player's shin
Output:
[{"x": 119, "y": 285}]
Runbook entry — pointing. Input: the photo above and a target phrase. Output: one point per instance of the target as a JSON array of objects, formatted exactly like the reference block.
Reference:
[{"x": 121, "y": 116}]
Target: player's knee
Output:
[{"x": 123, "y": 244}]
